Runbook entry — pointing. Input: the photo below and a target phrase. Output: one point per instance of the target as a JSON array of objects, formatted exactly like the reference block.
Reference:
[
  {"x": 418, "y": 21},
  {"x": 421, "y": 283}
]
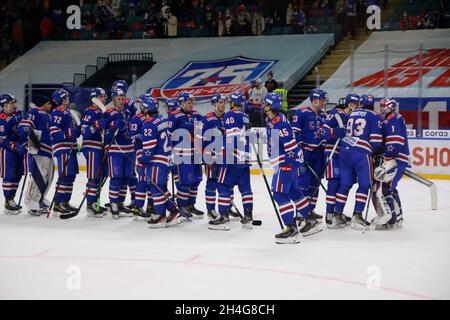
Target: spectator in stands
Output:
[
  {"x": 437, "y": 21},
  {"x": 228, "y": 24},
  {"x": 299, "y": 21},
  {"x": 289, "y": 14},
  {"x": 132, "y": 6},
  {"x": 350, "y": 18},
  {"x": 254, "y": 109},
  {"x": 283, "y": 93},
  {"x": 172, "y": 25},
  {"x": 243, "y": 21},
  {"x": 268, "y": 23},
  {"x": 209, "y": 21},
  {"x": 17, "y": 38},
  {"x": 271, "y": 84},
  {"x": 404, "y": 21},
  {"x": 220, "y": 22},
  {"x": 46, "y": 27},
  {"x": 258, "y": 24}
]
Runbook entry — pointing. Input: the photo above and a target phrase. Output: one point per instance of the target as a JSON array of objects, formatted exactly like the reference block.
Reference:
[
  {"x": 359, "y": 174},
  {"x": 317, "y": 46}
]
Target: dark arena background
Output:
[{"x": 397, "y": 52}]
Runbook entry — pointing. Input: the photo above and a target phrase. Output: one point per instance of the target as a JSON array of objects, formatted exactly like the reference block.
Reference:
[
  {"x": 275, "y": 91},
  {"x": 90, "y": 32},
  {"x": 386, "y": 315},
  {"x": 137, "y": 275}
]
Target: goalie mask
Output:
[{"x": 388, "y": 107}]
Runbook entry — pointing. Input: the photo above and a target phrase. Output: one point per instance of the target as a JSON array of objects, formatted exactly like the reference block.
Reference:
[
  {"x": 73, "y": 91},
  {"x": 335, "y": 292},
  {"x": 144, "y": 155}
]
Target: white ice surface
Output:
[{"x": 125, "y": 259}]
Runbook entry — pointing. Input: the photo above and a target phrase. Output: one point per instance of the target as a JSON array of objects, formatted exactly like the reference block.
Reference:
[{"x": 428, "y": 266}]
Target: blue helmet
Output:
[
  {"x": 120, "y": 84},
  {"x": 117, "y": 92},
  {"x": 150, "y": 103},
  {"x": 238, "y": 98},
  {"x": 273, "y": 100},
  {"x": 96, "y": 92},
  {"x": 5, "y": 98},
  {"x": 316, "y": 94},
  {"x": 367, "y": 101},
  {"x": 323, "y": 94},
  {"x": 184, "y": 96},
  {"x": 351, "y": 97},
  {"x": 59, "y": 95},
  {"x": 216, "y": 97},
  {"x": 172, "y": 104}
]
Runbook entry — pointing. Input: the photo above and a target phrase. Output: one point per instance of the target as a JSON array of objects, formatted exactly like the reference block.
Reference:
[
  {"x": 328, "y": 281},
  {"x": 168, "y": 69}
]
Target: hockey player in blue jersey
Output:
[
  {"x": 131, "y": 107},
  {"x": 335, "y": 129},
  {"x": 182, "y": 127},
  {"x": 120, "y": 154},
  {"x": 142, "y": 187},
  {"x": 236, "y": 168},
  {"x": 64, "y": 134},
  {"x": 93, "y": 125},
  {"x": 11, "y": 152},
  {"x": 34, "y": 131},
  {"x": 213, "y": 127},
  {"x": 287, "y": 159},
  {"x": 154, "y": 163},
  {"x": 362, "y": 139},
  {"x": 394, "y": 162},
  {"x": 307, "y": 126}
]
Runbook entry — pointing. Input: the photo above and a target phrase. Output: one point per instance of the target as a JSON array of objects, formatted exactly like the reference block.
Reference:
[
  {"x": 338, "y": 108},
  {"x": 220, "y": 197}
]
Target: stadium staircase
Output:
[{"x": 333, "y": 59}]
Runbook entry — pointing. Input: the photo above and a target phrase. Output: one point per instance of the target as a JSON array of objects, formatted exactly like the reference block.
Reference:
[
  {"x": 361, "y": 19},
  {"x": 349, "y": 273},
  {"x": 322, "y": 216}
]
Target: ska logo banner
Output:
[
  {"x": 435, "y": 64},
  {"x": 205, "y": 78}
]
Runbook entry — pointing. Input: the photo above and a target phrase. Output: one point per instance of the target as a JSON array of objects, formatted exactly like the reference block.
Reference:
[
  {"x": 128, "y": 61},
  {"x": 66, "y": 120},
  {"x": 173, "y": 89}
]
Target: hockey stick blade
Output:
[{"x": 99, "y": 104}]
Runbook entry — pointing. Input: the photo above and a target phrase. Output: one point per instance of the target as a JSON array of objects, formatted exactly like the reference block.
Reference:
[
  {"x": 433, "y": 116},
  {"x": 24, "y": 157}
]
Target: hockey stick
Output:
[
  {"x": 368, "y": 204},
  {"x": 316, "y": 176},
  {"x": 267, "y": 186},
  {"x": 97, "y": 174},
  {"x": 428, "y": 183},
  {"x": 170, "y": 200},
  {"x": 23, "y": 188}
]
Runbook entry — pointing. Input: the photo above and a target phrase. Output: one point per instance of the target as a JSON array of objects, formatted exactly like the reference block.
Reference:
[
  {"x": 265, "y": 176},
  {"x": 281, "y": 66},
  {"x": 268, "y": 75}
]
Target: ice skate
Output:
[
  {"x": 131, "y": 206},
  {"x": 174, "y": 218},
  {"x": 289, "y": 235},
  {"x": 37, "y": 212},
  {"x": 124, "y": 211},
  {"x": 157, "y": 221},
  {"x": 313, "y": 214},
  {"x": 213, "y": 215},
  {"x": 140, "y": 214},
  {"x": 115, "y": 210},
  {"x": 248, "y": 219},
  {"x": 69, "y": 207},
  {"x": 186, "y": 213},
  {"x": 92, "y": 211},
  {"x": 233, "y": 213},
  {"x": 12, "y": 208},
  {"x": 335, "y": 221},
  {"x": 58, "y": 208},
  {"x": 150, "y": 209},
  {"x": 386, "y": 226},
  {"x": 223, "y": 223},
  {"x": 312, "y": 226},
  {"x": 195, "y": 212},
  {"x": 358, "y": 222}
]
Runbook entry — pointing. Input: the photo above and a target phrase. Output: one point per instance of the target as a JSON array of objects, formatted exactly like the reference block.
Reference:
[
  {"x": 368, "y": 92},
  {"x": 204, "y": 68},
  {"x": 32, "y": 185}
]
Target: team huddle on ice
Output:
[{"x": 143, "y": 149}]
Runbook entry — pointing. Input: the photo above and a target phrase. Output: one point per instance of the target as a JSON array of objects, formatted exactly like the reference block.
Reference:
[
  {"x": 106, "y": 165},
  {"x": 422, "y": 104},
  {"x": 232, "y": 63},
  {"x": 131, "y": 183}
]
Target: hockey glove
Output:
[
  {"x": 386, "y": 171},
  {"x": 140, "y": 168},
  {"x": 17, "y": 148},
  {"x": 100, "y": 124},
  {"x": 339, "y": 132},
  {"x": 118, "y": 124}
]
